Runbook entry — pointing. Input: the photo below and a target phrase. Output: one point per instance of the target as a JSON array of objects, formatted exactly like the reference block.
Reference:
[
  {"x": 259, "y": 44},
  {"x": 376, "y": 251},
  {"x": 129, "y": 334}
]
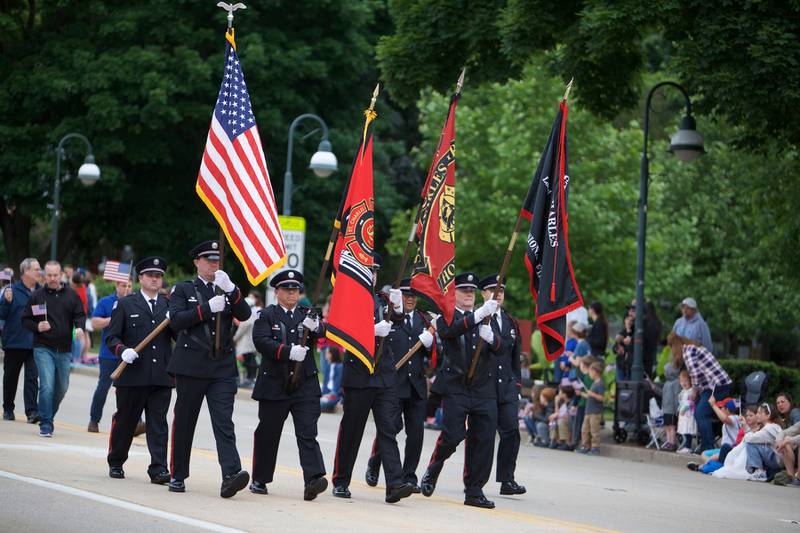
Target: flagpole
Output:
[
  {"x": 410, "y": 242},
  {"x": 502, "y": 275},
  {"x": 335, "y": 228}
]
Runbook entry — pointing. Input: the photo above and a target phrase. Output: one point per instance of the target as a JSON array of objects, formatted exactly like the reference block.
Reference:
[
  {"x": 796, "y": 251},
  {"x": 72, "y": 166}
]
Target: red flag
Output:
[
  {"x": 433, "y": 276},
  {"x": 351, "y": 317},
  {"x": 233, "y": 180},
  {"x": 552, "y": 284}
]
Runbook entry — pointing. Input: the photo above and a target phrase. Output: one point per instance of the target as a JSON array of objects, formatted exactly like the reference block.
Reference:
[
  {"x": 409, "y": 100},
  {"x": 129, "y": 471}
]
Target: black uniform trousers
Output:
[
  {"x": 219, "y": 394},
  {"x": 271, "y": 417},
  {"x": 412, "y": 412},
  {"x": 481, "y": 414},
  {"x": 13, "y": 360},
  {"x": 357, "y": 405},
  {"x": 131, "y": 402},
  {"x": 508, "y": 448}
]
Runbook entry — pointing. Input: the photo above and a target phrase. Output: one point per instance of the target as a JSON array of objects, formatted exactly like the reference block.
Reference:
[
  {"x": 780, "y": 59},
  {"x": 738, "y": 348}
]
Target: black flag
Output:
[{"x": 553, "y": 284}]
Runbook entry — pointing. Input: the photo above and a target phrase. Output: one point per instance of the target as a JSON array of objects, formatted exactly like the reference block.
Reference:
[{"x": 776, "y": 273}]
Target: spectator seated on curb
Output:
[
  {"x": 789, "y": 413},
  {"x": 732, "y": 434},
  {"x": 763, "y": 462},
  {"x": 536, "y": 419},
  {"x": 559, "y": 421},
  {"x": 786, "y": 444},
  {"x": 734, "y": 460}
]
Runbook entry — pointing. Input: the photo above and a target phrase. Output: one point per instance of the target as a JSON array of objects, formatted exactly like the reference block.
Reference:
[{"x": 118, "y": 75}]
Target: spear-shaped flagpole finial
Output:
[
  {"x": 230, "y": 8},
  {"x": 374, "y": 97},
  {"x": 460, "y": 82},
  {"x": 569, "y": 88}
]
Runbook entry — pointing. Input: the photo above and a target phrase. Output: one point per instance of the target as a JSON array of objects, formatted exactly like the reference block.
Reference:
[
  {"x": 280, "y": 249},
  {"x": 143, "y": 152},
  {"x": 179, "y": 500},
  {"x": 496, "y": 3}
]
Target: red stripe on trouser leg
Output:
[
  {"x": 336, "y": 456},
  {"x": 465, "y": 472},
  {"x": 436, "y": 449},
  {"x": 254, "y": 454},
  {"x": 111, "y": 433}
]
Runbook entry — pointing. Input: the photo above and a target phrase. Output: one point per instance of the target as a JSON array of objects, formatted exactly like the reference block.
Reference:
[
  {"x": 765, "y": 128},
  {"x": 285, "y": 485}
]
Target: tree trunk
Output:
[{"x": 16, "y": 229}]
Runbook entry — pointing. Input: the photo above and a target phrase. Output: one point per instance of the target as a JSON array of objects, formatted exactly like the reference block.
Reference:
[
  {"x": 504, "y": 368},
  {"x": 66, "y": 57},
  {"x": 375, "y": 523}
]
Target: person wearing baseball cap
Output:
[
  {"x": 691, "y": 324},
  {"x": 145, "y": 383},
  {"x": 278, "y": 335},
  {"x": 204, "y": 366}
]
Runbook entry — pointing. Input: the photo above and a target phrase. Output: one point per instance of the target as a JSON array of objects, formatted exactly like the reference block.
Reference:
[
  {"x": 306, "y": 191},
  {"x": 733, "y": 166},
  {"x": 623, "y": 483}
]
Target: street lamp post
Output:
[
  {"x": 323, "y": 162},
  {"x": 88, "y": 173},
  {"x": 686, "y": 144}
]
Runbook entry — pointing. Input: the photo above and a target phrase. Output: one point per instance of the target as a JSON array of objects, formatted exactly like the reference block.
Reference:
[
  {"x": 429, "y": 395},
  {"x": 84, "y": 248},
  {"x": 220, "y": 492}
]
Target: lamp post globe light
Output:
[
  {"x": 323, "y": 162},
  {"x": 686, "y": 144},
  {"x": 88, "y": 174}
]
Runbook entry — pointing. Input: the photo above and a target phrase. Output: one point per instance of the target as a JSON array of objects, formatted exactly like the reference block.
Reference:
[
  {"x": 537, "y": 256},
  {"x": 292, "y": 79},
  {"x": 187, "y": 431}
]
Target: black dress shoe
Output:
[
  {"x": 116, "y": 472},
  {"x": 428, "y": 484},
  {"x": 8, "y": 415},
  {"x": 162, "y": 478},
  {"x": 256, "y": 487},
  {"x": 479, "y": 501},
  {"x": 415, "y": 489},
  {"x": 398, "y": 493},
  {"x": 33, "y": 419},
  {"x": 340, "y": 491},
  {"x": 314, "y": 487},
  {"x": 177, "y": 485},
  {"x": 371, "y": 476},
  {"x": 511, "y": 488},
  {"x": 234, "y": 483}
]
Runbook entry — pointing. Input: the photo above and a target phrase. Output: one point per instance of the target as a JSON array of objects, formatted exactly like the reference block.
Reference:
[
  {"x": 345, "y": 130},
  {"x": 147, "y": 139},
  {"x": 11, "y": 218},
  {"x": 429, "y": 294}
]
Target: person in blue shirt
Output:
[
  {"x": 18, "y": 342},
  {"x": 108, "y": 361}
]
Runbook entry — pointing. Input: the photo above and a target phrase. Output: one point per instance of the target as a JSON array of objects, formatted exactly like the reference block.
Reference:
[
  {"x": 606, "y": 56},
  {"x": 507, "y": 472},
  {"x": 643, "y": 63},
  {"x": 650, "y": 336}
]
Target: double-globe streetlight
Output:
[
  {"x": 686, "y": 144},
  {"x": 88, "y": 174},
  {"x": 323, "y": 162}
]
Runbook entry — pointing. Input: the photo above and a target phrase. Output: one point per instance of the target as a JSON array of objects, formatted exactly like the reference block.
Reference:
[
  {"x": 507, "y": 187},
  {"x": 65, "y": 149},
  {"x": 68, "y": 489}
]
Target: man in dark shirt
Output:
[{"x": 51, "y": 314}]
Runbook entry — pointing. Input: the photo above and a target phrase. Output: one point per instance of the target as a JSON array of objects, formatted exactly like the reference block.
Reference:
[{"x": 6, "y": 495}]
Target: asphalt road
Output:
[{"x": 61, "y": 484}]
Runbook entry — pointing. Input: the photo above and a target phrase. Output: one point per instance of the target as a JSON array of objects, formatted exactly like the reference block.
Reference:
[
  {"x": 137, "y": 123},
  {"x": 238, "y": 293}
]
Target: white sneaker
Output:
[
  {"x": 684, "y": 451},
  {"x": 759, "y": 474}
]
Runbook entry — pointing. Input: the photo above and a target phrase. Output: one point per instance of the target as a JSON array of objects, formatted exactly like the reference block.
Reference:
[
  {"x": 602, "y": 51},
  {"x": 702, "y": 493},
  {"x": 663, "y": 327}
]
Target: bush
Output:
[{"x": 779, "y": 378}]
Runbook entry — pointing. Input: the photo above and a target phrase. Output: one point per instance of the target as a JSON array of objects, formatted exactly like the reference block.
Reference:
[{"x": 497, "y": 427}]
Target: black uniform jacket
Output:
[
  {"x": 509, "y": 380},
  {"x": 412, "y": 374},
  {"x": 131, "y": 322},
  {"x": 191, "y": 318},
  {"x": 356, "y": 375},
  {"x": 459, "y": 341},
  {"x": 273, "y": 335}
]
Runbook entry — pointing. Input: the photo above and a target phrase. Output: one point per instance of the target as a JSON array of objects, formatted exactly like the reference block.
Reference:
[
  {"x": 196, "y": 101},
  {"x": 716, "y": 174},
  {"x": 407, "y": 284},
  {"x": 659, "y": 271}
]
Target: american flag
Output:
[
  {"x": 233, "y": 180},
  {"x": 39, "y": 310},
  {"x": 116, "y": 271}
]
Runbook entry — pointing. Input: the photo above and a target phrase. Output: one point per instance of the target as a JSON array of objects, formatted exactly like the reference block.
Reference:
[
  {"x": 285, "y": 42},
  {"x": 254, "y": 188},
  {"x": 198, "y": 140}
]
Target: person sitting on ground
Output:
[
  {"x": 532, "y": 407},
  {"x": 763, "y": 462},
  {"x": 725, "y": 410},
  {"x": 789, "y": 413},
  {"x": 747, "y": 424},
  {"x": 559, "y": 420},
  {"x": 332, "y": 388},
  {"x": 540, "y": 415},
  {"x": 590, "y": 432},
  {"x": 786, "y": 444},
  {"x": 687, "y": 427},
  {"x": 669, "y": 406}
]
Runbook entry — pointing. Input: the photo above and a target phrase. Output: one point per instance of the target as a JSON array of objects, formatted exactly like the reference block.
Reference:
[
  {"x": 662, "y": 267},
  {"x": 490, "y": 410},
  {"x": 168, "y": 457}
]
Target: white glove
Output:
[
  {"x": 129, "y": 355},
  {"x": 217, "y": 303},
  {"x": 311, "y": 323},
  {"x": 396, "y": 298},
  {"x": 487, "y": 309},
  {"x": 426, "y": 338},
  {"x": 383, "y": 328},
  {"x": 486, "y": 333},
  {"x": 298, "y": 353},
  {"x": 222, "y": 281}
]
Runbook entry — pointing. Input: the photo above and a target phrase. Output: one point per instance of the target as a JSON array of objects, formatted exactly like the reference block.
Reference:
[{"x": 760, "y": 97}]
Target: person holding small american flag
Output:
[{"x": 52, "y": 313}]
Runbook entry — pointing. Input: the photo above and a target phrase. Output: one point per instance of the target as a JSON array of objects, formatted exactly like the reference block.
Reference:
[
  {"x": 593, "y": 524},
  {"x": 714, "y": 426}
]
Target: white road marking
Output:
[
  {"x": 180, "y": 519},
  {"x": 86, "y": 450}
]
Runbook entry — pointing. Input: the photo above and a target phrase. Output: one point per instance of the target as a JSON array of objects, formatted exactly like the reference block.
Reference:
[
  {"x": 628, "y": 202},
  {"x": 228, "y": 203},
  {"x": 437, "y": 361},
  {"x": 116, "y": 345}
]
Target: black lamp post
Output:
[
  {"x": 323, "y": 162},
  {"x": 686, "y": 144}
]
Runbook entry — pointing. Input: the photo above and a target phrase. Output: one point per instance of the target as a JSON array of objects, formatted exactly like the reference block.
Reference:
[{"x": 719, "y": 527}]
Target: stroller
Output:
[
  {"x": 629, "y": 410},
  {"x": 754, "y": 388}
]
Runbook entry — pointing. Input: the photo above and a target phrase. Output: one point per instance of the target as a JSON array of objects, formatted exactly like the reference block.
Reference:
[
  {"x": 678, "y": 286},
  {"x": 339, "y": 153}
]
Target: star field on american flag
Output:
[{"x": 233, "y": 109}]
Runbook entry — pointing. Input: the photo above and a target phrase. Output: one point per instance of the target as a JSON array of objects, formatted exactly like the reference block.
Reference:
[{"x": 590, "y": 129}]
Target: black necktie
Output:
[
  {"x": 408, "y": 321},
  {"x": 152, "y": 306},
  {"x": 210, "y": 286},
  {"x": 289, "y": 314}
]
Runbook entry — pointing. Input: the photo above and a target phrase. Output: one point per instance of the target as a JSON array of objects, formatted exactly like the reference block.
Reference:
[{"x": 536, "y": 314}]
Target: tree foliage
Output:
[{"x": 740, "y": 58}]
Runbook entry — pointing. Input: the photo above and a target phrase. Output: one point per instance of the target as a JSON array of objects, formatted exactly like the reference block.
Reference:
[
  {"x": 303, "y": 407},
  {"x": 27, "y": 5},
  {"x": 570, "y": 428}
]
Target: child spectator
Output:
[
  {"x": 537, "y": 420},
  {"x": 762, "y": 460},
  {"x": 590, "y": 432},
  {"x": 734, "y": 459},
  {"x": 687, "y": 427},
  {"x": 582, "y": 348},
  {"x": 559, "y": 420},
  {"x": 669, "y": 406},
  {"x": 332, "y": 388},
  {"x": 581, "y": 383},
  {"x": 561, "y": 364}
]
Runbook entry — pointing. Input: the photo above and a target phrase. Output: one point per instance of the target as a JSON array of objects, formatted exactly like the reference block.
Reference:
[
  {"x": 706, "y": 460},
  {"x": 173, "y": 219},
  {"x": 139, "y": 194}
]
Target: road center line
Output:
[{"x": 135, "y": 507}]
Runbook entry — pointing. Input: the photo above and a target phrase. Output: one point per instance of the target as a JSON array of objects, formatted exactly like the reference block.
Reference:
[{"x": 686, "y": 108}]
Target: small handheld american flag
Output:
[
  {"x": 39, "y": 310},
  {"x": 116, "y": 271}
]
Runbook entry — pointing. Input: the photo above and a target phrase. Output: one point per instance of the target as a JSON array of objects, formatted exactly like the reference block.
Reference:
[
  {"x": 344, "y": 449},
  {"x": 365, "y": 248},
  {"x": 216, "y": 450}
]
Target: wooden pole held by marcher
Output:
[{"x": 141, "y": 346}]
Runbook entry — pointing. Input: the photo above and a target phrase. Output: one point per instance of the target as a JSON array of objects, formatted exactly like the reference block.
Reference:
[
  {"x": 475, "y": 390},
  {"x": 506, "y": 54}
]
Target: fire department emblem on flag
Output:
[{"x": 359, "y": 232}]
